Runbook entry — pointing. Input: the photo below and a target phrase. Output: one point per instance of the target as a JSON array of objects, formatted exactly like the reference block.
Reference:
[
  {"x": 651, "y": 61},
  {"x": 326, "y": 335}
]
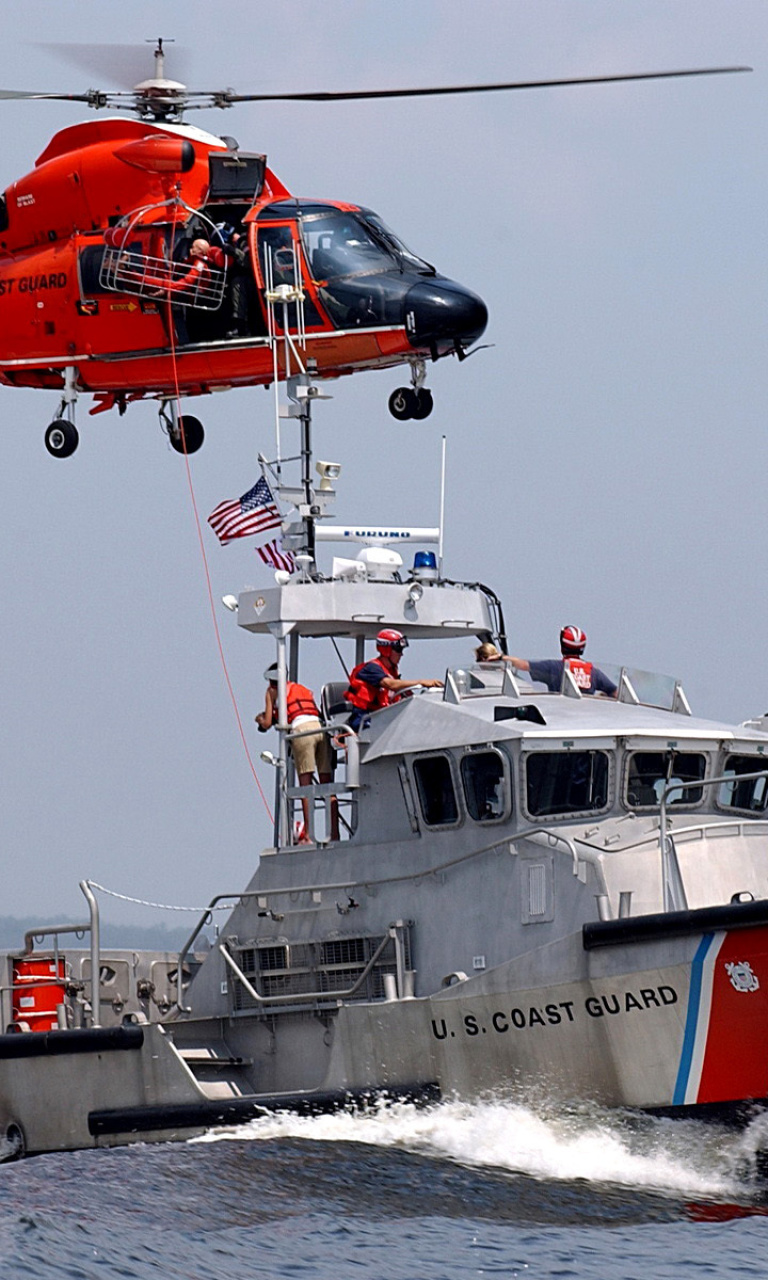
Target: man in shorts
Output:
[{"x": 310, "y": 749}]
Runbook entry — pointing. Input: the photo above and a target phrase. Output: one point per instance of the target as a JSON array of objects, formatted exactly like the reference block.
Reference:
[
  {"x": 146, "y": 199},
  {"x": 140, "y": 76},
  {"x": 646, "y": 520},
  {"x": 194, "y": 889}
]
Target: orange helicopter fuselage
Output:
[{"x": 160, "y": 181}]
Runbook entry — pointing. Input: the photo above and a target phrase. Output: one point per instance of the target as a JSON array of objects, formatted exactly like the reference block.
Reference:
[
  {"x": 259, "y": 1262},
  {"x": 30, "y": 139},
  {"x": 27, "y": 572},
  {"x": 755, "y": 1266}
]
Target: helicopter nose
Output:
[{"x": 443, "y": 315}]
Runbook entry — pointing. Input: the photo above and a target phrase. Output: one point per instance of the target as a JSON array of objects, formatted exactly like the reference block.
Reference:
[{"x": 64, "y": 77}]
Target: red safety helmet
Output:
[
  {"x": 572, "y": 640},
  {"x": 391, "y": 639}
]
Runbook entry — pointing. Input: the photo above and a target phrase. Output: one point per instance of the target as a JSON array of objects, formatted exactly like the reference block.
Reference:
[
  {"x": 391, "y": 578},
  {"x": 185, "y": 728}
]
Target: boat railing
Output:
[
  {"x": 738, "y": 826},
  {"x": 55, "y": 931},
  {"x": 498, "y": 679},
  {"x": 674, "y": 897},
  {"x": 672, "y": 887}
]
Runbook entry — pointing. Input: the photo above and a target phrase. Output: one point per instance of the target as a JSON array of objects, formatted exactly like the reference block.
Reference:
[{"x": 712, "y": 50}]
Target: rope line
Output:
[
  {"x": 161, "y": 906},
  {"x": 206, "y": 568}
]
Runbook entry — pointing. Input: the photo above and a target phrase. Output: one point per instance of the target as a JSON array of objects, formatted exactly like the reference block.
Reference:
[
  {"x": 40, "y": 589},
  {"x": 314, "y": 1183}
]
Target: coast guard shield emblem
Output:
[{"x": 742, "y": 976}]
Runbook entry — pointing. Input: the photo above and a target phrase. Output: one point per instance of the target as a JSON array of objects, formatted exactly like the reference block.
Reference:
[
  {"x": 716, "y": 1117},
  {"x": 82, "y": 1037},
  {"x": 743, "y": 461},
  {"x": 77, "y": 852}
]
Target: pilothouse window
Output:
[
  {"x": 750, "y": 794},
  {"x": 559, "y": 782},
  {"x": 437, "y": 797},
  {"x": 485, "y": 791},
  {"x": 649, "y": 772}
]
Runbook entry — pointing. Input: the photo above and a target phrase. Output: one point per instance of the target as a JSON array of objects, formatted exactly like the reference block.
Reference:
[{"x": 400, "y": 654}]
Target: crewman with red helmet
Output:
[
  {"x": 311, "y": 751},
  {"x": 549, "y": 671},
  {"x": 377, "y": 684}
]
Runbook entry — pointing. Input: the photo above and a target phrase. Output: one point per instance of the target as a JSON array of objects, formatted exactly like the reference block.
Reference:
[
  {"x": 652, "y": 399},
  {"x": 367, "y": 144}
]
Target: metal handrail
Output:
[
  {"x": 93, "y": 907},
  {"x": 740, "y": 824},
  {"x": 554, "y": 837},
  {"x": 52, "y": 931},
  {"x": 666, "y": 848}
]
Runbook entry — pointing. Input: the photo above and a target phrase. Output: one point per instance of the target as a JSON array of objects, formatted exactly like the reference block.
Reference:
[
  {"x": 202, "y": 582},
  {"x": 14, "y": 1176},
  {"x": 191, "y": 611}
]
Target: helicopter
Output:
[{"x": 144, "y": 257}]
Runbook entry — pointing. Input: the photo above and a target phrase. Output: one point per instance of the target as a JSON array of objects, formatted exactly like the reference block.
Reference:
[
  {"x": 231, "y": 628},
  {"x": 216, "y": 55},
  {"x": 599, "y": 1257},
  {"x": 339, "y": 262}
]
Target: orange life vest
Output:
[
  {"x": 301, "y": 701},
  {"x": 581, "y": 672},
  {"x": 365, "y": 696}
]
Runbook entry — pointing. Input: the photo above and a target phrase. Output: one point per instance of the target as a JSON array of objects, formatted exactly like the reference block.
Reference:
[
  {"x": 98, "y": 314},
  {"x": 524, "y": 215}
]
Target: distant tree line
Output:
[{"x": 129, "y": 936}]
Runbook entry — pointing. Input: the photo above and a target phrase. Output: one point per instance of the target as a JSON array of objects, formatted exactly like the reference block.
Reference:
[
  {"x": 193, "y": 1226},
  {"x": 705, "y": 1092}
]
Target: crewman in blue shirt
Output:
[{"x": 549, "y": 671}]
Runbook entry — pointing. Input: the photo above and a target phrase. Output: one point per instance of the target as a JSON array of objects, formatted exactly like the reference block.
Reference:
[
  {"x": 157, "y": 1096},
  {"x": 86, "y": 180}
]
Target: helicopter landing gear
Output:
[
  {"x": 412, "y": 402},
  {"x": 405, "y": 403},
  {"x": 402, "y": 403},
  {"x": 186, "y": 434},
  {"x": 61, "y": 437}
]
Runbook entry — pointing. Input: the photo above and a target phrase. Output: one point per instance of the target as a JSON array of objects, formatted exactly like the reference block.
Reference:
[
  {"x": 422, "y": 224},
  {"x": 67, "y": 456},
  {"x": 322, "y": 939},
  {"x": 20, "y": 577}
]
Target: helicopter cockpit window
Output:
[
  {"x": 340, "y": 245},
  {"x": 395, "y": 244}
]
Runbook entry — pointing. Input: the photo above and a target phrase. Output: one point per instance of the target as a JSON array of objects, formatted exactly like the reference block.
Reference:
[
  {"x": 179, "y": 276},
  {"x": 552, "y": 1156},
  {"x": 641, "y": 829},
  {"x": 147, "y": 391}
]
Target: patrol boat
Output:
[{"x": 536, "y": 895}]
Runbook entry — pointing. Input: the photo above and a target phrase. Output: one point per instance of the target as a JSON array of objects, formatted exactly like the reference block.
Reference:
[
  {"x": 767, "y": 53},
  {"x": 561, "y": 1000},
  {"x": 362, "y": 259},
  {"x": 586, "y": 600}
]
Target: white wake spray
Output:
[{"x": 686, "y": 1158}]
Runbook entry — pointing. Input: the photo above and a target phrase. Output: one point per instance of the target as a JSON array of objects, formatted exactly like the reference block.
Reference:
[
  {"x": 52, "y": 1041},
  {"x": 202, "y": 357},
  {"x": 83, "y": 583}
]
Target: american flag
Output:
[
  {"x": 272, "y": 553},
  {"x": 254, "y": 513}
]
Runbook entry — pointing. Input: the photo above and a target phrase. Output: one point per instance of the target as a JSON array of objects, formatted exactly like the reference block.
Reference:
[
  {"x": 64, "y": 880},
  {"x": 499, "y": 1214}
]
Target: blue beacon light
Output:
[{"x": 425, "y": 566}]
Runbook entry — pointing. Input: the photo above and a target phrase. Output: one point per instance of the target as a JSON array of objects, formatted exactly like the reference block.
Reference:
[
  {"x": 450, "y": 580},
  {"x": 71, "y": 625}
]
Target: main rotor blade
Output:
[
  {"x": 343, "y": 95},
  {"x": 9, "y": 94}
]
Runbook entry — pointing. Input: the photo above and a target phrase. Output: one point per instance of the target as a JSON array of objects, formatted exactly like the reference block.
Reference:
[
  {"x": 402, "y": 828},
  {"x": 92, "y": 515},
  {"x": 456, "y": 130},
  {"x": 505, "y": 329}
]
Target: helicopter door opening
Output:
[{"x": 142, "y": 258}]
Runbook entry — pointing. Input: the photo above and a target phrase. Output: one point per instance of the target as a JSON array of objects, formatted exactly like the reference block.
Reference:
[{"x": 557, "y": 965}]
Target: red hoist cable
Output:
[{"x": 206, "y": 568}]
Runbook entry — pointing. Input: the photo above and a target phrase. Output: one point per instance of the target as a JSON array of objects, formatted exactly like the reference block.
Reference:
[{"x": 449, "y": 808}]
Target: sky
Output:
[{"x": 607, "y": 455}]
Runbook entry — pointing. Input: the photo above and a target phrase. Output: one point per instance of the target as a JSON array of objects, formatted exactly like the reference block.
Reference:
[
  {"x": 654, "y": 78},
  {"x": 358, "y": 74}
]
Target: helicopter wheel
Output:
[
  {"x": 61, "y": 438},
  {"x": 424, "y": 403},
  {"x": 192, "y": 438},
  {"x": 403, "y": 404}
]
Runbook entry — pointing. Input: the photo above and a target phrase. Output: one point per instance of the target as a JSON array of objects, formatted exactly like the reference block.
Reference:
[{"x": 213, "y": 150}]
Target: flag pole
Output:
[{"x": 442, "y": 511}]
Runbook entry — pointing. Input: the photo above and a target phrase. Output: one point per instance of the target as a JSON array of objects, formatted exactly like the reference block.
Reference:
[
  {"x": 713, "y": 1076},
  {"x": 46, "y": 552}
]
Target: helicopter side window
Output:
[
  {"x": 276, "y": 248},
  {"x": 89, "y": 266},
  {"x": 279, "y": 254}
]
